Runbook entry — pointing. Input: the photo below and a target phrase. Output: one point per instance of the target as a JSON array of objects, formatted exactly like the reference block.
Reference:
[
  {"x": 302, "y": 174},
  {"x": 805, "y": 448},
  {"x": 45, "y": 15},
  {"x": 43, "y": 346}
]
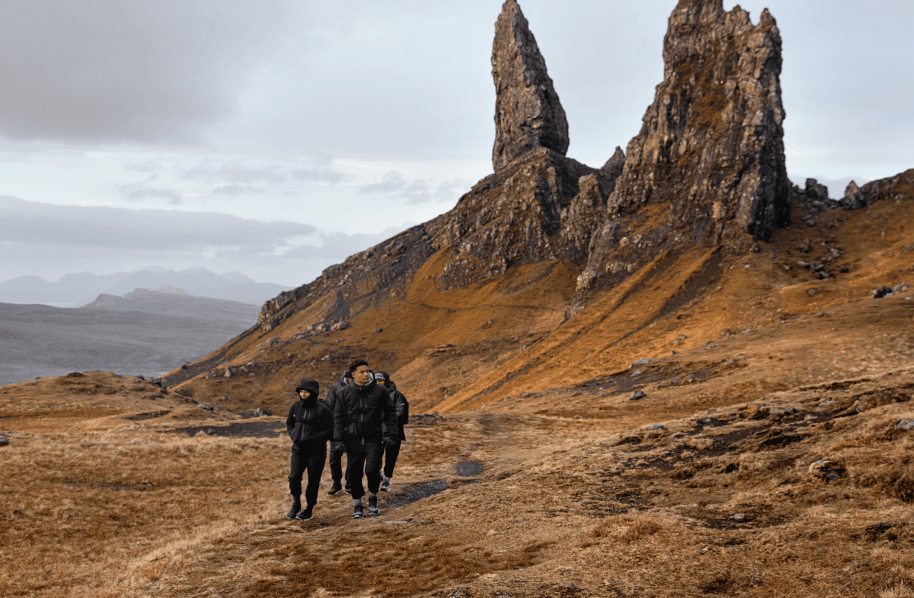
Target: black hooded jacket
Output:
[
  {"x": 401, "y": 405},
  {"x": 333, "y": 392},
  {"x": 309, "y": 420},
  {"x": 360, "y": 412}
]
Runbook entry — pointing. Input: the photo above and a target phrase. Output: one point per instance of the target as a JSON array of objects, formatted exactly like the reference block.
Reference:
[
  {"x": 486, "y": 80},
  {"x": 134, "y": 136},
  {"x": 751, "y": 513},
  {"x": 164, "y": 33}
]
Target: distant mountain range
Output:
[
  {"x": 146, "y": 332},
  {"x": 79, "y": 289}
]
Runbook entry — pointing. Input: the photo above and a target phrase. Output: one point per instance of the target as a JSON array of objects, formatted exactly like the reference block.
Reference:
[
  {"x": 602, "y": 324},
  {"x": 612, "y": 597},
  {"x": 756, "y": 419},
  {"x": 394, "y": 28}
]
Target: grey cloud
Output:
[
  {"x": 147, "y": 166},
  {"x": 140, "y": 190},
  {"x": 390, "y": 182},
  {"x": 115, "y": 229},
  {"x": 235, "y": 173},
  {"x": 326, "y": 175},
  {"x": 236, "y": 189},
  {"x": 417, "y": 191},
  {"x": 97, "y": 70}
]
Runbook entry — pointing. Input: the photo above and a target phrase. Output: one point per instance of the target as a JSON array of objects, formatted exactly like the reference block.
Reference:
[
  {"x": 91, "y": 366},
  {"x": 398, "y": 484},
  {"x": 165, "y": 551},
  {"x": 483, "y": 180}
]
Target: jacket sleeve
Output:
[
  {"x": 390, "y": 419},
  {"x": 290, "y": 419},
  {"x": 339, "y": 418},
  {"x": 327, "y": 421}
]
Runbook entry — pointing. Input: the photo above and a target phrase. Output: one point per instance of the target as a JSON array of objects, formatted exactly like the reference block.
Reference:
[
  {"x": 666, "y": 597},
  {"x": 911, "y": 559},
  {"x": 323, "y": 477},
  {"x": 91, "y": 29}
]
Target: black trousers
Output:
[
  {"x": 336, "y": 461},
  {"x": 363, "y": 458},
  {"x": 391, "y": 452},
  {"x": 309, "y": 458}
]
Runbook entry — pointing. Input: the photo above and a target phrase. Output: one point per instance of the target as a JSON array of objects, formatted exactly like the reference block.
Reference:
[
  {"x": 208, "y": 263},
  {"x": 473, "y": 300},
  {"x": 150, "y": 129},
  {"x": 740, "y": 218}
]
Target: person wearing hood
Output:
[
  {"x": 364, "y": 418},
  {"x": 310, "y": 426},
  {"x": 337, "y": 449},
  {"x": 401, "y": 407}
]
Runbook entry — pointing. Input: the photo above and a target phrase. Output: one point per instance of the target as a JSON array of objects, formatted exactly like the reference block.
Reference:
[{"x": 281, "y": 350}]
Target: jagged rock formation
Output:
[
  {"x": 711, "y": 147},
  {"x": 528, "y": 114},
  {"x": 710, "y": 154},
  {"x": 899, "y": 186}
]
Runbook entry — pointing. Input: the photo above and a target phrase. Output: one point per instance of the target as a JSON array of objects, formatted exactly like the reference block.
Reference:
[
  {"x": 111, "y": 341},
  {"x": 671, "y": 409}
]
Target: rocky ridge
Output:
[{"x": 704, "y": 179}]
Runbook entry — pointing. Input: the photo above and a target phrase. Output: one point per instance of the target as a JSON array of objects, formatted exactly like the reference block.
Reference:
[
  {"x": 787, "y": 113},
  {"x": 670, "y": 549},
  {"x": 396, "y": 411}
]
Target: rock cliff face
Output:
[
  {"x": 709, "y": 159},
  {"x": 710, "y": 150},
  {"x": 528, "y": 114}
]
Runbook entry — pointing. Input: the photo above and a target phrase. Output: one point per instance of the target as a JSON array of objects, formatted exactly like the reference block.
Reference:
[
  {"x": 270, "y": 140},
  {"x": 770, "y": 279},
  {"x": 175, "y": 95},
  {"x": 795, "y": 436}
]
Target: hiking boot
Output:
[
  {"x": 357, "y": 512},
  {"x": 385, "y": 485},
  {"x": 296, "y": 507},
  {"x": 306, "y": 513},
  {"x": 373, "y": 510},
  {"x": 335, "y": 489}
]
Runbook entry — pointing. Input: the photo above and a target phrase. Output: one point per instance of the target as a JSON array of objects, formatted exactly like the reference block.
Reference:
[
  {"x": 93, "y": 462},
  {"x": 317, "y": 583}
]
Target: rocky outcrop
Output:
[
  {"x": 712, "y": 142},
  {"x": 528, "y": 114},
  {"x": 710, "y": 156},
  {"x": 710, "y": 152},
  {"x": 900, "y": 186}
]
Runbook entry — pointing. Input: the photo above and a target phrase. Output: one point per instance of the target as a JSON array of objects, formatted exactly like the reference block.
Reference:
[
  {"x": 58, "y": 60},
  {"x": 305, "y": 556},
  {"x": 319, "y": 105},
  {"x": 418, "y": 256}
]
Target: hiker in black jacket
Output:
[
  {"x": 401, "y": 407},
  {"x": 337, "y": 448},
  {"x": 310, "y": 426},
  {"x": 361, "y": 409}
]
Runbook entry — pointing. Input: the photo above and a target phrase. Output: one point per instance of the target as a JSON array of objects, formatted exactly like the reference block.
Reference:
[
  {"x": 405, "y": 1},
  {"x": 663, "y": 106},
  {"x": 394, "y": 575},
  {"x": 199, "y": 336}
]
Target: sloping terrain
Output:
[
  {"x": 122, "y": 489},
  {"x": 146, "y": 332},
  {"x": 622, "y": 383}
]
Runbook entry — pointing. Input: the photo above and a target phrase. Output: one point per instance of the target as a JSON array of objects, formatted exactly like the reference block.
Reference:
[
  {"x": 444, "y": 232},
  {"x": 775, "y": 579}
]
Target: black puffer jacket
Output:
[
  {"x": 333, "y": 393},
  {"x": 309, "y": 420},
  {"x": 401, "y": 405},
  {"x": 360, "y": 412}
]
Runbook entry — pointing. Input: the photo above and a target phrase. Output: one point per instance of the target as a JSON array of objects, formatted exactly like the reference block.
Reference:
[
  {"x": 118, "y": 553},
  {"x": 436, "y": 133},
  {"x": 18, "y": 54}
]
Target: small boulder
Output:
[
  {"x": 636, "y": 396},
  {"x": 256, "y": 412},
  {"x": 880, "y": 292},
  {"x": 826, "y": 470},
  {"x": 341, "y": 325},
  {"x": 905, "y": 424}
]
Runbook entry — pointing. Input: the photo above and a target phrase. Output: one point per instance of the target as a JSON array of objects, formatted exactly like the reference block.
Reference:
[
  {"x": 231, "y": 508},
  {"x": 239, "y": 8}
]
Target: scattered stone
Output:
[
  {"x": 223, "y": 398},
  {"x": 641, "y": 362},
  {"x": 782, "y": 410},
  {"x": 880, "y": 292},
  {"x": 755, "y": 411},
  {"x": 378, "y": 330},
  {"x": 228, "y": 489},
  {"x": 746, "y": 331},
  {"x": 270, "y": 341},
  {"x": 527, "y": 394},
  {"x": 228, "y": 373},
  {"x": 738, "y": 517},
  {"x": 656, "y": 427},
  {"x": 812, "y": 292},
  {"x": 826, "y": 403},
  {"x": 4, "y": 441},
  {"x": 205, "y": 406},
  {"x": 325, "y": 358},
  {"x": 636, "y": 396},
  {"x": 298, "y": 337},
  {"x": 826, "y": 470},
  {"x": 341, "y": 325},
  {"x": 256, "y": 412},
  {"x": 17, "y": 512},
  {"x": 905, "y": 424}
]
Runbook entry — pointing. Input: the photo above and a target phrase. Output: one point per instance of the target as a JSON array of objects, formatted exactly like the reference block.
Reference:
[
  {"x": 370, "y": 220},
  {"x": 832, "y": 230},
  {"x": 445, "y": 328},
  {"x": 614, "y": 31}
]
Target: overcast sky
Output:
[{"x": 275, "y": 138}]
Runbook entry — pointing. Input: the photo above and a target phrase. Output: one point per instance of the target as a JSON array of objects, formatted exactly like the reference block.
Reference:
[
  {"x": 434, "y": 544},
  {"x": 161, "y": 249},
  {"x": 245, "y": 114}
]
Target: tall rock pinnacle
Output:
[
  {"x": 712, "y": 143},
  {"x": 528, "y": 114}
]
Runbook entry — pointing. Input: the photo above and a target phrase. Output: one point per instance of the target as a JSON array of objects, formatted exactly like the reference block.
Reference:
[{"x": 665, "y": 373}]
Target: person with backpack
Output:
[
  {"x": 337, "y": 449},
  {"x": 309, "y": 425},
  {"x": 364, "y": 418},
  {"x": 401, "y": 407}
]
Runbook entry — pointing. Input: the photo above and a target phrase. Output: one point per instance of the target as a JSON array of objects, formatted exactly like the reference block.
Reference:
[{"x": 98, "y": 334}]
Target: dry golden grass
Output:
[{"x": 580, "y": 485}]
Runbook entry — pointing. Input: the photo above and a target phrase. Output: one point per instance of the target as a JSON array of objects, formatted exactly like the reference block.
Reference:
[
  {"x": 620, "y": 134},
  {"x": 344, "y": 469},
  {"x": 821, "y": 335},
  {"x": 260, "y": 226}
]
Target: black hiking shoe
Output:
[
  {"x": 385, "y": 485},
  {"x": 373, "y": 510},
  {"x": 357, "y": 511},
  {"x": 335, "y": 489},
  {"x": 305, "y": 514},
  {"x": 296, "y": 507}
]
